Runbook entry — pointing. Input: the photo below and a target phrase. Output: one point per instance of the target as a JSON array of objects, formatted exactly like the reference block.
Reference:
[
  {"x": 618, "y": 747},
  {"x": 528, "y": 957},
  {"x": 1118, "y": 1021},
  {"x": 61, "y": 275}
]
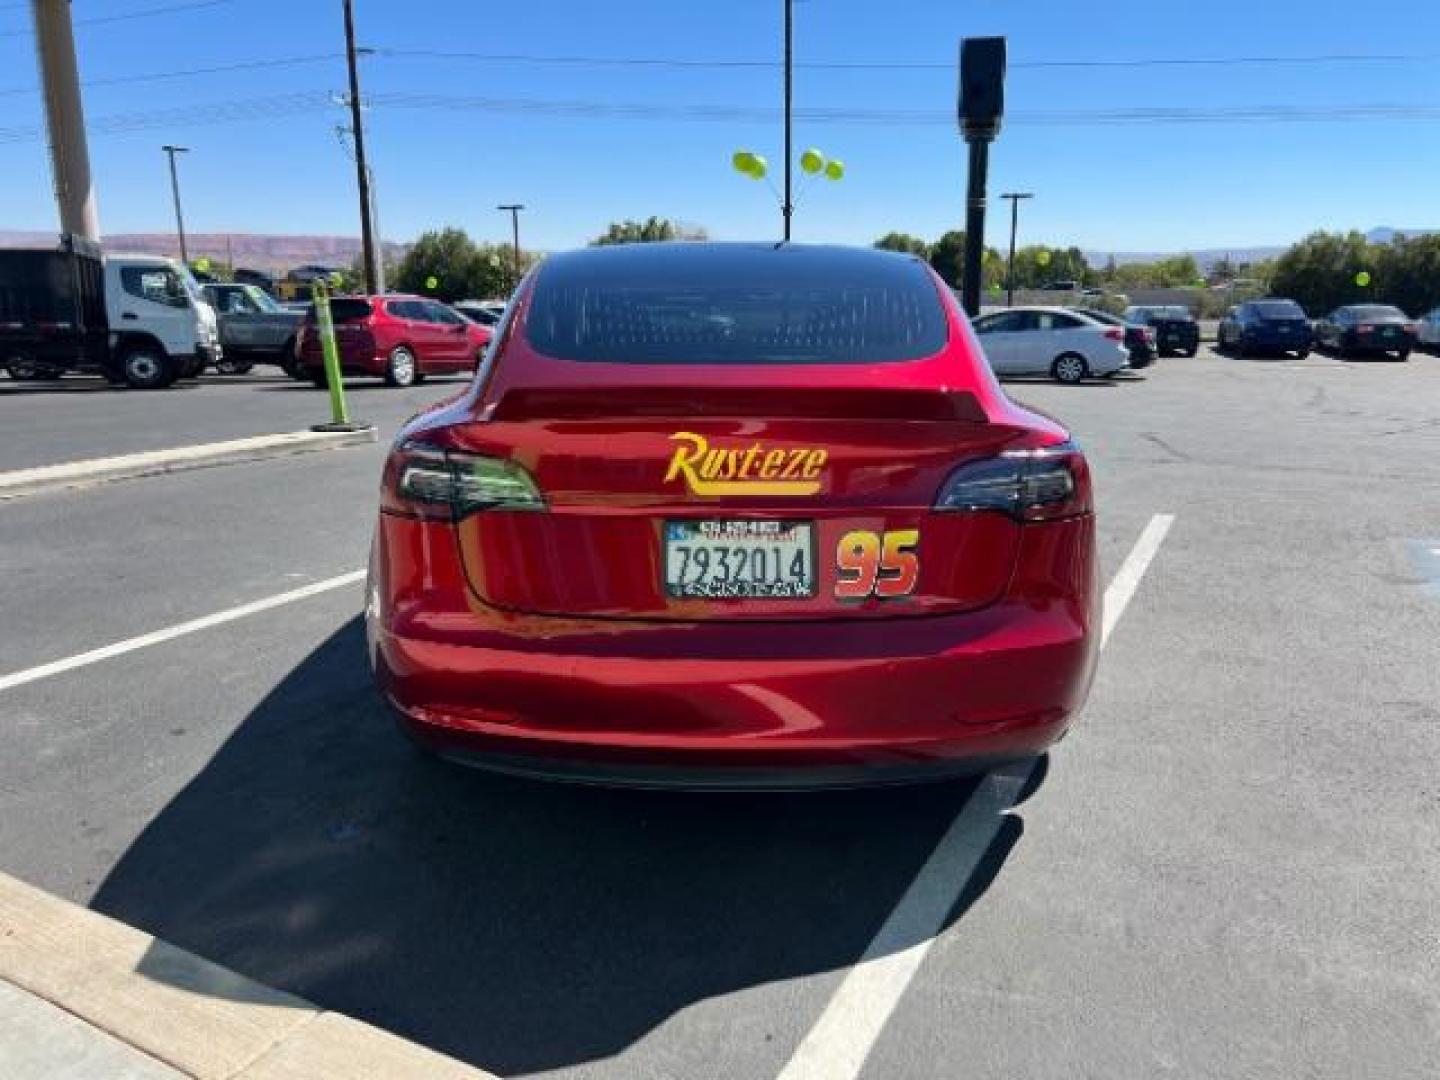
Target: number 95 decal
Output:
[{"x": 877, "y": 564}]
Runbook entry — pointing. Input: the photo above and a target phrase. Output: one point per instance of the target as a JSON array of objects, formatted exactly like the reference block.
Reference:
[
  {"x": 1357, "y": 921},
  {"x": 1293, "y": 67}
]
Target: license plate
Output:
[{"x": 717, "y": 560}]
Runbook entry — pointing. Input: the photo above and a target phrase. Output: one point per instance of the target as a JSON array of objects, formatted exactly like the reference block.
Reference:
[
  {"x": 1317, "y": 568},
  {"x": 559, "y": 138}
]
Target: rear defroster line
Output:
[{"x": 837, "y": 1046}]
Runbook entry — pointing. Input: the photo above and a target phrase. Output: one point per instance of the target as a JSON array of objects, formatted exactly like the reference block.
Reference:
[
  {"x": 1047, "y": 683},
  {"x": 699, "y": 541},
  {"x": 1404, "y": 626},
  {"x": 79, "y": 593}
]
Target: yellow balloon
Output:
[
  {"x": 759, "y": 167},
  {"x": 202, "y": 264},
  {"x": 812, "y": 161},
  {"x": 1362, "y": 278},
  {"x": 834, "y": 170},
  {"x": 1043, "y": 258},
  {"x": 432, "y": 282},
  {"x": 743, "y": 160}
]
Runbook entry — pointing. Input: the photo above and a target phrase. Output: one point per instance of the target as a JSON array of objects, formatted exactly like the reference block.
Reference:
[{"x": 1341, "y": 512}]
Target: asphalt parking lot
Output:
[{"x": 1229, "y": 868}]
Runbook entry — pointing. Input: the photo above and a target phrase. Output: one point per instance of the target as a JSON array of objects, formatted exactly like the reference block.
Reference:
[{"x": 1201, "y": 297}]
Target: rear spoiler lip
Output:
[{"x": 778, "y": 402}]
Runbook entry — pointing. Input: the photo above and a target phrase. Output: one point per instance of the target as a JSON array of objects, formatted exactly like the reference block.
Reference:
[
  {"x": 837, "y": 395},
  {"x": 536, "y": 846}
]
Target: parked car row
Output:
[{"x": 1352, "y": 330}]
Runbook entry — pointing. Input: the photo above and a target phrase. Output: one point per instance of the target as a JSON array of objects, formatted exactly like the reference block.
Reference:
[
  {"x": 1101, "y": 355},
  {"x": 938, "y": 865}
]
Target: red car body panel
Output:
[
  {"x": 546, "y": 643},
  {"x": 365, "y": 344}
]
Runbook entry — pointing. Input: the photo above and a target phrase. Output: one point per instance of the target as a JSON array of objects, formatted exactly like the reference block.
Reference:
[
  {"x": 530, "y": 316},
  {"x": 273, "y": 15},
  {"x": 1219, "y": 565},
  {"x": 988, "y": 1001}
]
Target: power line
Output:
[
  {"x": 291, "y": 104},
  {"x": 146, "y": 13},
  {"x": 156, "y": 76},
  {"x": 718, "y": 63}
]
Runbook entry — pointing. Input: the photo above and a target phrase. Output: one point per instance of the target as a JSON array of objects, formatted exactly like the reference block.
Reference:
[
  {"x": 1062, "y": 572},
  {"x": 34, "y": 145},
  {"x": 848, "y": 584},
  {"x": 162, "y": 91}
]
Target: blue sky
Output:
[{"x": 1115, "y": 187}]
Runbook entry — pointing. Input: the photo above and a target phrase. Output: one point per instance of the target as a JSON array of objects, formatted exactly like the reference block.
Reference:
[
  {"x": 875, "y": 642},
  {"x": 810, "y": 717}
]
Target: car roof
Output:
[{"x": 735, "y": 255}]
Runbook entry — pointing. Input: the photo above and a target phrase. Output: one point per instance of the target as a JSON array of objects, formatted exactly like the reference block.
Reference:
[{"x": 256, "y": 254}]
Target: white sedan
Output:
[{"x": 1052, "y": 341}]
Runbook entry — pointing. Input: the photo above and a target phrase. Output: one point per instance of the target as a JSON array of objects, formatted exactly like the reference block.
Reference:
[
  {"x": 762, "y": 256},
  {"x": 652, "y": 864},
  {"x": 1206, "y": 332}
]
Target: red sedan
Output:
[
  {"x": 734, "y": 516},
  {"x": 398, "y": 338}
]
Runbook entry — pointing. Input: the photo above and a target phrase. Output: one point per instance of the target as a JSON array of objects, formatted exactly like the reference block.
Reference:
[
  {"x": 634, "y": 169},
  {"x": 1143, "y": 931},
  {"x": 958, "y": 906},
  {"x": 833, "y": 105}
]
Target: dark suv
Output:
[
  {"x": 1266, "y": 326},
  {"x": 1176, "y": 331}
]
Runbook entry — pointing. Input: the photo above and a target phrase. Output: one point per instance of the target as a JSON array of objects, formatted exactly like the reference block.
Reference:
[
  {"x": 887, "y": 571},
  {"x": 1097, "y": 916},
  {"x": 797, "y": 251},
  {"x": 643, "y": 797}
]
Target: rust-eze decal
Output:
[{"x": 756, "y": 469}]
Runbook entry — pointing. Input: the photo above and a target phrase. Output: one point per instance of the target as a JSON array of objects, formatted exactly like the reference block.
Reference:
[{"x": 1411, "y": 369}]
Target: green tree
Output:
[
  {"x": 448, "y": 256},
  {"x": 1319, "y": 272},
  {"x": 650, "y": 230},
  {"x": 947, "y": 256},
  {"x": 903, "y": 242},
  {"x": 1407, "y": 273}
]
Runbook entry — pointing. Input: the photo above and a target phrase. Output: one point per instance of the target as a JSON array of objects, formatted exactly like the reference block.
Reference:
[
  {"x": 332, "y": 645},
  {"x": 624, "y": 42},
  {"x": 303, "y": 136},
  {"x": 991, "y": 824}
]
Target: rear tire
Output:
[
  {"x": 1191, "y": 352},
  {"x": 1069, "y": 368},
  {"x": 148, "y": 368},
  {"x": 401, "y": 369},
  {"x": 1403, "y": 355},
  {"x": 317, "y": 378},
  {"x": 233, "y": 367}
]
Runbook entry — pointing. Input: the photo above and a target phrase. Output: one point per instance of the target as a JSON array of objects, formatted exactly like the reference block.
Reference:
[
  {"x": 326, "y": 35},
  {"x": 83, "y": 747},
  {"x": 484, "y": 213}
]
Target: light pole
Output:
[
  {"x": 787, "y": 209},
  {"x": 362, "y": 171},
  {"x": 175, "y": 191},
  {"x": 514, "y": 209},
  {"x": 1014, "y": 197}
]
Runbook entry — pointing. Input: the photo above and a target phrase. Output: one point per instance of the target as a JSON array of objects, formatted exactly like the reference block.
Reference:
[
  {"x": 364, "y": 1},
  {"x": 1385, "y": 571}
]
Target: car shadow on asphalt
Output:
[{"x": 515, "y": 925}]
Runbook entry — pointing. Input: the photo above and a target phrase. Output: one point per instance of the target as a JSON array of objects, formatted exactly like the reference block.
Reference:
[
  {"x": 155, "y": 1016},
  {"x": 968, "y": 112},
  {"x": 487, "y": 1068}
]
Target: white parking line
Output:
[
  {"x": 837, "y": 1046},
  {"x": 170, "y": 633}
]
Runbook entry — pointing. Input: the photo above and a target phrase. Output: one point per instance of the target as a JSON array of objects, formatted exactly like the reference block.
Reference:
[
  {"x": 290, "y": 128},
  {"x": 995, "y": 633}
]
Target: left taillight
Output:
[
  {"x": 1042, "y": 484},
  {"x": 430, "y": 482},
  {"x": 1115, "y": 333}
]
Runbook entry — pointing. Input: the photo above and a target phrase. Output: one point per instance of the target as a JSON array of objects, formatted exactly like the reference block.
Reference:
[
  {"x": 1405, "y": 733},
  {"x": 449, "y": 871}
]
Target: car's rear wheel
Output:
[
  {"x": 1191, "y": 352},
  {"x": 1403, "y": 355},
  {"x": 401, "y": 369},
  {"x": 233, "y": 367},
  {"x": 317, "y": 378},
  {"x": 1069, "y": 368}
]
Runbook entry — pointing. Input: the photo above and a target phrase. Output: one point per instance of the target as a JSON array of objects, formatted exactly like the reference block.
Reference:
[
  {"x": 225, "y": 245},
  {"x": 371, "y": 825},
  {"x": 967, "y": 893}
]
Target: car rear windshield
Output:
[
  {"x": 1174, "y": 314},
  {"x": 765, "y": 307},
  {"x": 344, "y": 310},
  {"x": 1377, "y": 311},
  {"x": 1279, "y": 309}
]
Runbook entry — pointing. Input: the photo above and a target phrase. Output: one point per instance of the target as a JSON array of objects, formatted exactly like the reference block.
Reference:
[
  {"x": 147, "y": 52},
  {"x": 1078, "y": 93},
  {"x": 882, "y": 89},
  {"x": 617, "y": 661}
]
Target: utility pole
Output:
[
  {"x": 362, "y": 172},
  {"x": 65, "y": 118},
  {"x": 514, "y": 209},
  {"x": 171, "y": 151},
  {"x": 787, "y": 209},
  {"x": 1014, "y": 197}
]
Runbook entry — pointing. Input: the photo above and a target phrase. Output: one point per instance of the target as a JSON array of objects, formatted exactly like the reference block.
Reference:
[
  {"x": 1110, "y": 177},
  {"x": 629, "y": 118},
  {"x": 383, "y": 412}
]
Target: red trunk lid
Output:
[{"x": 619, "y": 467}]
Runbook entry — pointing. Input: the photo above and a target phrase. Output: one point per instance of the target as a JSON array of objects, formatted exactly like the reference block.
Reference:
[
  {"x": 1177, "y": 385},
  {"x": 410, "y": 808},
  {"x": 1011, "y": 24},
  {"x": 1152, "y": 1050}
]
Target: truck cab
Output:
[{"x": 161, "y": 328}]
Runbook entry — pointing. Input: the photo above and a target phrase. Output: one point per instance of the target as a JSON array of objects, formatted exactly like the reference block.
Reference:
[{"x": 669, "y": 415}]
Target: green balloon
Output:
[
  {"x": 1362, "y": 278},
  {"x": 758, "y": 167},
  {"x": 202, "y": 264},
  {"x": 1043, "y": 258},
  {"x": 812, "y": 161},
  {"x": 743, "y": 160},
  {"x": 834, "y": 170},
  {"x": 432, "y": 282}
]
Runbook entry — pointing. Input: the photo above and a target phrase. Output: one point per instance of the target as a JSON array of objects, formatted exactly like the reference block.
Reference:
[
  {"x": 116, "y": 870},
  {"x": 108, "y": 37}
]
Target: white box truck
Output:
[{"x": 139, "y": 320}]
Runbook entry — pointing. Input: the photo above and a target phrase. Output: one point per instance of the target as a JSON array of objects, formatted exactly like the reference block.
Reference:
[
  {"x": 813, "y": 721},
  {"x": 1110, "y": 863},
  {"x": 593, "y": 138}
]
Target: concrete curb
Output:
[
  {"x": 74, "y": 474},
  {"x": 199, "y": 1018}
]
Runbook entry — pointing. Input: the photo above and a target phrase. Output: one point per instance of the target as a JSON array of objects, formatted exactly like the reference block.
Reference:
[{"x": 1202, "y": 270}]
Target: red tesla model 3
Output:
[{"x": 734, "y": 515}]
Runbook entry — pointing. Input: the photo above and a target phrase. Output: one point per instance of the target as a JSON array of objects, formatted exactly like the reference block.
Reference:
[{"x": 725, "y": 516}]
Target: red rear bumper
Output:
[{"x": 733, "y": 704}]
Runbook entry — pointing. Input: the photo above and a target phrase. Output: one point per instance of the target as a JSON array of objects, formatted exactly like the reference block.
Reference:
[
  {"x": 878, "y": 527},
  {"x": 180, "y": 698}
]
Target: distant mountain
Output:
[
  {"x": 1208, "y": 257},
  {"x": 1385, "y": 235},
  {"x": 256, "y": 250}
]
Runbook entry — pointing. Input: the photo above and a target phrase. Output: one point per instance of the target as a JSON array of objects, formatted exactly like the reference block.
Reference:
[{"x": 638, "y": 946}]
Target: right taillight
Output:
[
  {"x": 436, "y": 484},
  {"x": 1029, "y": 485}
]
